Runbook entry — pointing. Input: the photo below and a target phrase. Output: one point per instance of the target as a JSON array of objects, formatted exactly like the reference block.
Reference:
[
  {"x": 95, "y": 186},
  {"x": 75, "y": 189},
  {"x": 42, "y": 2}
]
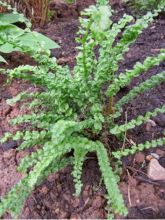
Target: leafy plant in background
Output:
[
  {"x": 36, "y": 10},
  {"x": 142, "y": 6},
  {"x": 71, "y": 112},
  {"x": 11, "y": 36}
]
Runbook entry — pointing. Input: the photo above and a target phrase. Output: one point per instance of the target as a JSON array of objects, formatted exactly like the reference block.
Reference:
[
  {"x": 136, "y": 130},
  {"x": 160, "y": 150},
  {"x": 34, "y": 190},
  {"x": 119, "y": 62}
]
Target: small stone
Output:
[
  {"x": 150, "y": 124},
  {"x": 38, "y": 207},
  {"x": 57, "y": 210},
  {"x": 139, "y": 157},
  {"x": 156, "y": 156},
  {"x": 155, "y": 170}
]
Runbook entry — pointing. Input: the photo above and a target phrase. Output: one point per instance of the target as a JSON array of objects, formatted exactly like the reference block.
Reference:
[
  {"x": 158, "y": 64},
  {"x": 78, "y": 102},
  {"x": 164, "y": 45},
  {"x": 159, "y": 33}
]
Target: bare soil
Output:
[{"x": 54, "y": 198}]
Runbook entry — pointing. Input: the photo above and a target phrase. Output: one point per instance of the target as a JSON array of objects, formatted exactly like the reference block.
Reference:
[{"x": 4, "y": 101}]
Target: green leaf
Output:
[
  {"x": 2, "y": 60},
  {"x": 101, "y": 19},
  {"x": 8, "y": 48},
  {"x": 9, "y": 18},
  {"x": 10, "y": 30},
  {"x": 34, "y": 39}
]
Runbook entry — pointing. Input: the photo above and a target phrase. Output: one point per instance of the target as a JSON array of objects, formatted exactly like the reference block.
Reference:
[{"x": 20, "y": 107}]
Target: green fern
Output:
[
  {"x": 140, "y": 147},
  {"x": 71, "y": 110},
  {"x": 142, "y": 6}
]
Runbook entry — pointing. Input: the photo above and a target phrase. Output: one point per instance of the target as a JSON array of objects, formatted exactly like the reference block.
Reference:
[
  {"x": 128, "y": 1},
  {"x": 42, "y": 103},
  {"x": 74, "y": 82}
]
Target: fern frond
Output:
[
  {"x": 125, "y": 79},
  {"x": 15, "y": 199},
  {"x": 129, "y": 36},
  {"x": 106, "y": 50},
  {"x": 118, "y": 129},
  {"x": 86, "y": 56},
  {"x": 114, "y": 196},
  {"x": 79, "y": 157},
  {"x": 59, "y": 133},
  {"x": 22, "y": 72},
  {"x": 102, "y": 2},
  {"x": 140, "y": 147},
  {"x": 141, "y": 88},
  {"x": 91, "y": 32},
  {"x": 86, "y": 145},
  {"x": 17, "y": 98},
  {"x": 33, "y": 118},
  {"x": 34, "y": 138}
]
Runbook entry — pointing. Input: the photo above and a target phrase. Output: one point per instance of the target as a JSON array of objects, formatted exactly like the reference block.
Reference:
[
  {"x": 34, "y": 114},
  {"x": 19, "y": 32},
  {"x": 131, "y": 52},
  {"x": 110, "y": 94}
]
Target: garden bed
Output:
[{"x": 54, "y": 197}]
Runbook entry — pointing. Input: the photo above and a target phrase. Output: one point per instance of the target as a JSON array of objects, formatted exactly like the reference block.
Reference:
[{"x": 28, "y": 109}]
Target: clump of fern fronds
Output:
[
  {"x": 142, "y": 6},
  {"x": 71, "y": 107}
]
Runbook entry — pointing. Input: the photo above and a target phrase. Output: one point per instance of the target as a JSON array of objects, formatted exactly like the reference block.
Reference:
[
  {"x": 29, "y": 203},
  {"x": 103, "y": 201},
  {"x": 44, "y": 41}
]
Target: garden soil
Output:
[{"x": 54, "y": 198}]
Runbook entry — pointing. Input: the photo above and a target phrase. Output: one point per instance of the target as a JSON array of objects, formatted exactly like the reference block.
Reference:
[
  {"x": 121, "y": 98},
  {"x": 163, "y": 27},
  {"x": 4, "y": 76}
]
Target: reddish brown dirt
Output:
[{"x": 54, "y": 197}]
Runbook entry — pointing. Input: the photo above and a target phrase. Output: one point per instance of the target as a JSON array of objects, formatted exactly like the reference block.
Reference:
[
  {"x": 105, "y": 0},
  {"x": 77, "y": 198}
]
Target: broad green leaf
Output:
[
  {"x": 10, "y": 30},
  {"x": 34, "y": 39},
  {"x": 2, "y": 60},
  {"x": 8, "y": 48},
  {"x": 1, "y": 41},
  {"x": 9, "y": 18}
]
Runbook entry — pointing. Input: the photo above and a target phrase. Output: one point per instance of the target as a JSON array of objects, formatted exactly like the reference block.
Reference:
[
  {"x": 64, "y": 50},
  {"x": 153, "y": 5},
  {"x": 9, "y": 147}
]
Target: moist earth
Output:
[{"x": 54, "y": 198}]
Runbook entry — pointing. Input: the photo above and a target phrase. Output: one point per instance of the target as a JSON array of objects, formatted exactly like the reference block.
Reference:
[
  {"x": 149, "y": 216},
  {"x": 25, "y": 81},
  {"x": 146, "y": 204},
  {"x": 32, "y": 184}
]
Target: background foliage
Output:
[
  {"x": 35, "y": 10},
  {"x": 142, "y": 6}
]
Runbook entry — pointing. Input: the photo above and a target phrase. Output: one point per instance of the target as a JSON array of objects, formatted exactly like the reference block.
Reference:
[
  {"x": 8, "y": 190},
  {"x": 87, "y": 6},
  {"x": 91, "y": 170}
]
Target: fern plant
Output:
[
  {"x": 142, "y": 6},
  {"x": 71, "y": 113}
]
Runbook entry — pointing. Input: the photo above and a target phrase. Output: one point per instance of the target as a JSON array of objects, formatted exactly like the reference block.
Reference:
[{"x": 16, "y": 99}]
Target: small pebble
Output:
[
  {"x": 156, "y": 156},
  {"x": 150, "y": 124},
  {"x": 155, "y": 170}
]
